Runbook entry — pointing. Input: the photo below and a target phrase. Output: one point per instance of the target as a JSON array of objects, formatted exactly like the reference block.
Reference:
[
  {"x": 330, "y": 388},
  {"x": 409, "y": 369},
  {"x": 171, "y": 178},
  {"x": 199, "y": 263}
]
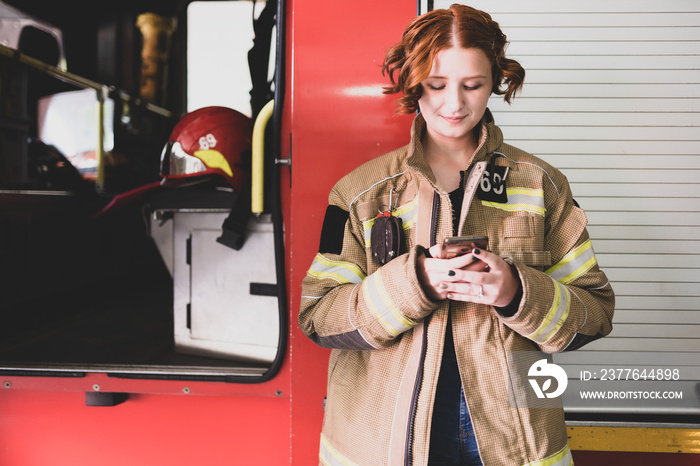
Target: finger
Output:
[
  {"x": 460, "y": 262},
  {"x": 493, "y": 261},
  {"x": 476, "y": 266},
  {"x": 445, "y": 265},
  {"x": 439, "y": 274},
  {"x": 471, "y": 293},
  {"x": 435, "y": 251},
  {"x": 472, "y": 276},
  {"x": 463, "y": 288}
]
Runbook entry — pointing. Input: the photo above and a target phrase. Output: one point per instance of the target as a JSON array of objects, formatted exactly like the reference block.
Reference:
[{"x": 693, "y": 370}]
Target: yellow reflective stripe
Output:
[
  {"x": 330, "y": 456},
  {"x": 382, "y": 307},
  {"x": 367, "y": 227},
  {"x": 574, "y": 264},
  {"x": 407, "y": 213},
  {"x": 521, "y": 200},
  {"x": 560, "y": 458},
  {"x": 555, "y": 317},
  {"x": 340, "y": 271}
]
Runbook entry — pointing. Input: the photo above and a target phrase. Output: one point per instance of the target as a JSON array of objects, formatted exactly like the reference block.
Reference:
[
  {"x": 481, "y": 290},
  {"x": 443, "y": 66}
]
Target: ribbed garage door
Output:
[{"x": 612, "y": 98}]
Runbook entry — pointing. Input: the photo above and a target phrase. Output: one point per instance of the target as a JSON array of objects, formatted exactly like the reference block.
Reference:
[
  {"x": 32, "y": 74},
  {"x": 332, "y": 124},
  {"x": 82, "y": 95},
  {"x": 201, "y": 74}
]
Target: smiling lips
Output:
[{"x": 453, "y": 119}]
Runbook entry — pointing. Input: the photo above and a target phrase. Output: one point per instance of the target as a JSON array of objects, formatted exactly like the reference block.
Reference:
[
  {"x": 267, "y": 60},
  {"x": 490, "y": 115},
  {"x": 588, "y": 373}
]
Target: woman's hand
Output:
[{"x": 481, "y": 277}]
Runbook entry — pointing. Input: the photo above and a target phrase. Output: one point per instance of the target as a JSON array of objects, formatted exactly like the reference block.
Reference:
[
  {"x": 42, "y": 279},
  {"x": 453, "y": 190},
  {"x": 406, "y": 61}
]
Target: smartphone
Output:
[{"x": 460, "y": 245}]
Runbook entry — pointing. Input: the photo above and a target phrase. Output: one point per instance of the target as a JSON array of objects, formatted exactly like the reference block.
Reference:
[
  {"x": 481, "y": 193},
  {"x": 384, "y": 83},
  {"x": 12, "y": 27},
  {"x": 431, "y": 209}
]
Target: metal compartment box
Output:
[{"x": 215, "y": 313}]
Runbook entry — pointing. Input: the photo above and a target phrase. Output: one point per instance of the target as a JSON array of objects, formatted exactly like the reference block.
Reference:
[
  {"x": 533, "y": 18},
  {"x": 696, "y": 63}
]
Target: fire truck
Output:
[{"x": 152, "y": 323}]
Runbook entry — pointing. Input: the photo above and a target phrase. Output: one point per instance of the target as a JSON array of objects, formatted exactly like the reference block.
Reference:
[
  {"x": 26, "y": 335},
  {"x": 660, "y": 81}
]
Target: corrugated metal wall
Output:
[{"x": 612, "y": 98}]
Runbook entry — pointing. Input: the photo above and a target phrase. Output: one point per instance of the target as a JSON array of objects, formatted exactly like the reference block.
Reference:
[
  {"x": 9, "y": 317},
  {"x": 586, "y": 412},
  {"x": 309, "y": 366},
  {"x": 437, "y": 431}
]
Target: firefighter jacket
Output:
[{"x": 387, "y": 336}]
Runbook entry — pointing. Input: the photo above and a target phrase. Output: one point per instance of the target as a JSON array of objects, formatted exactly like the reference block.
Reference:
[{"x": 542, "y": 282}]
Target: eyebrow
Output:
[{"x": 433, "y": 76}]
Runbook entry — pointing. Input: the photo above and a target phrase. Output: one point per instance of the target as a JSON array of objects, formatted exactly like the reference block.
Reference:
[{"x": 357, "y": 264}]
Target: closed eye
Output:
[{"x": 439, "y": 88}]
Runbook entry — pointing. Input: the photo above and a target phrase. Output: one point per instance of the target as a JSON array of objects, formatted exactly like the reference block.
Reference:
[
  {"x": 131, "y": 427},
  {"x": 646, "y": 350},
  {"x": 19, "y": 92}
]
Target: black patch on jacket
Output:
[
  {"x": 492, "y": 187},
  {"x": 493, "y": 184},
  {"x": 348, "y": 341},
  {"x": 581, "y": 340},
  {"x": 333, "y": 230}
]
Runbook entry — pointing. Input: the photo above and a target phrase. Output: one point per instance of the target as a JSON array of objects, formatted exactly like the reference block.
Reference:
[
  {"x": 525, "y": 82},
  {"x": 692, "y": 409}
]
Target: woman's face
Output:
[{"x": 456, "y": 93}]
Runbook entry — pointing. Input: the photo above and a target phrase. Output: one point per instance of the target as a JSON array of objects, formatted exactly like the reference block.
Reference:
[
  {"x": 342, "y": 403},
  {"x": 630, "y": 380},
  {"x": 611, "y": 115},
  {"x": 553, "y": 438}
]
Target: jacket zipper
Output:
[
  {"x": 419, "y": 377},
  {"x": 416, "y": 389},
  {"x": 434, "y": 218}
]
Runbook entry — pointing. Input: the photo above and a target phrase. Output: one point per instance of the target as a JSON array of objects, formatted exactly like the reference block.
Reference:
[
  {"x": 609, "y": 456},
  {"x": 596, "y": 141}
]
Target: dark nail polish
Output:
[
  {"x": 476, "y": 251},
  {"x": 451, "y": 273}
]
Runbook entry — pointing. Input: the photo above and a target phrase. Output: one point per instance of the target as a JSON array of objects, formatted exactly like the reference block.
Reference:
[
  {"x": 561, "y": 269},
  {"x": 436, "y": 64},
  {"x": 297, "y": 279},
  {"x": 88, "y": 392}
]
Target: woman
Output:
[{"x": 422, "y": 368}]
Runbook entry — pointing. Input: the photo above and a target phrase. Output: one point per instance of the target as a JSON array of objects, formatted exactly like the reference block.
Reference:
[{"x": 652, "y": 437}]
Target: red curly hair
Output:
[{"x": 408, "y": 62}]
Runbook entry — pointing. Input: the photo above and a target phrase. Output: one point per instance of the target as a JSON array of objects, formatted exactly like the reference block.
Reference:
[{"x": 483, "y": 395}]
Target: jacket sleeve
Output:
[
  {"x": 571, "y": 303},
  {"x": 343, "y": 307}
]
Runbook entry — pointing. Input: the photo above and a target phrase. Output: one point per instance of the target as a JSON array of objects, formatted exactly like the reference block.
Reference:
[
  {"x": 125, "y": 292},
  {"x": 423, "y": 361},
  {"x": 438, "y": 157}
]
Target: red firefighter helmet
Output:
[{"x": 207, "y": 141}]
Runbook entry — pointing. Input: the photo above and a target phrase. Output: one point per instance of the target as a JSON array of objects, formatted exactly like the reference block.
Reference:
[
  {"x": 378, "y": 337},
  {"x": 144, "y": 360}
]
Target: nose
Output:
[{"x": 454, "y": 98}]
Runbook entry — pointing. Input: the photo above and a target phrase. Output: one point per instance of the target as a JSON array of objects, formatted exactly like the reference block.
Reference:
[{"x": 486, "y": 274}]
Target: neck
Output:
[
  {"x": 438, "y": 146},
  {"x": 447, "y": 158}
]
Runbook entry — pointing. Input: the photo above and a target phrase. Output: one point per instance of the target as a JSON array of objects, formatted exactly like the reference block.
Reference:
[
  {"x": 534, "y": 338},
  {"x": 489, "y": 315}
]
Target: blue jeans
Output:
[
  {"x": 450, "y": 446},
  {"x": 452, "y": 441}
]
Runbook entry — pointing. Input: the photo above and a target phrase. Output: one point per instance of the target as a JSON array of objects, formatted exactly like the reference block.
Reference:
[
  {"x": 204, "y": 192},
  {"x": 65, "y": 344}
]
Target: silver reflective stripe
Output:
[
  {"x": 560, "y": 458},
  {"x": 382, "y": 306},
  {"x": 340, "y": 271},
  {"x": 575, "y": 263},
  {"x": 330, "y": 456},
  {"x": 555, "y": 317},
  {"x": 181, "y": 163}
]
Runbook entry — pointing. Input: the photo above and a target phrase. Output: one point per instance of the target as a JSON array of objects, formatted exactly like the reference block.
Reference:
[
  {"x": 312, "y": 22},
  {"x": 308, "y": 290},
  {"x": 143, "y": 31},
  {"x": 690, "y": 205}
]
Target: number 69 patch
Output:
[{"x": 493, "y": 184}]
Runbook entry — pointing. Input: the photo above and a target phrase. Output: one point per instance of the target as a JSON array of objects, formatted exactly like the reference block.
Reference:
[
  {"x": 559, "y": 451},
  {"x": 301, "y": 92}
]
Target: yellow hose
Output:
[{"x": 258, "y": 164}]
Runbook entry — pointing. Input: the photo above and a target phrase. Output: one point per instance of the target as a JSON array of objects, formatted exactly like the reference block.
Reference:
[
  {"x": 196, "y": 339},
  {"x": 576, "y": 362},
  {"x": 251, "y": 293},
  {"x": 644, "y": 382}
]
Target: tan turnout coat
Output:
[{"x": 387, "y": 335}]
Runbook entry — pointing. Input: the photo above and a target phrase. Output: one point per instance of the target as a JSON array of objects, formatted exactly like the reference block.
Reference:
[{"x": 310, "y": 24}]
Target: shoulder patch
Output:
[{"x": 333, "y": 230}]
